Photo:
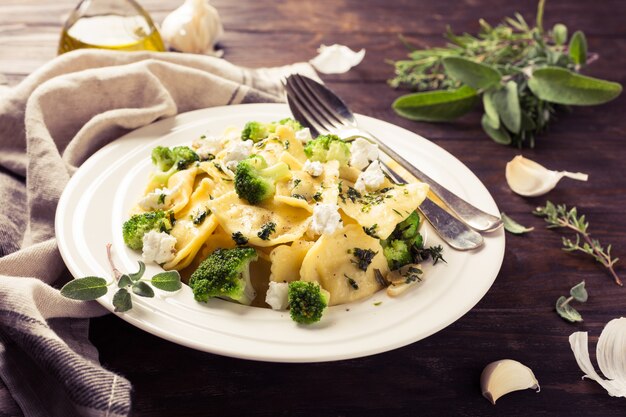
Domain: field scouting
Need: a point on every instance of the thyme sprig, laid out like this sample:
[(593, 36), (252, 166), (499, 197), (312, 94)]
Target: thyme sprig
[(559, 216)]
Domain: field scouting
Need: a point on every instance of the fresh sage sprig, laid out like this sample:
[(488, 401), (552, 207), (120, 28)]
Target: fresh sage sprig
[(91, 288), (514, 227), (520, 73), (559, 216), (565, 309)]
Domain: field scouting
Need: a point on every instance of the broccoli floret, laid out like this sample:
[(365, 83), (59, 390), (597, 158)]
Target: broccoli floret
[(255, 181), (168, 161), (408, 228), (255, 131), (307, 301), (225, 273), (326, 148), (398, 253), (140, 224), (294, 124)]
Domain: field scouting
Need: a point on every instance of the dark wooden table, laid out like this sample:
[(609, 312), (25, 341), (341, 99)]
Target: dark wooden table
[(516, 319)]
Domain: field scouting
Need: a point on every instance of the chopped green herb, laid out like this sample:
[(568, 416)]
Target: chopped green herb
[(239, 238), (352, 282), (162, 198), (363, 257), (266, 230), (200, 215), (371, 231)]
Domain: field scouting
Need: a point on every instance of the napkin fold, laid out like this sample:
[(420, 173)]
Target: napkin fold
[(49, 125)]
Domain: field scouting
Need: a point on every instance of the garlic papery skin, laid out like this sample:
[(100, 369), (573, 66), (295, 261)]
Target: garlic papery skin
[(530, 179), (195, 27), (336, 59), (504, 376), (610, 354)]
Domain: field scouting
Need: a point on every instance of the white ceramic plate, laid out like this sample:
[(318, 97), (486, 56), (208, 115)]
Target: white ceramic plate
[(96, 201)]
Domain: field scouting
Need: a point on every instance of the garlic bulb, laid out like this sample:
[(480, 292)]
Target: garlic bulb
[(194, 27), (504, 376), (528, 178), (609, 354)]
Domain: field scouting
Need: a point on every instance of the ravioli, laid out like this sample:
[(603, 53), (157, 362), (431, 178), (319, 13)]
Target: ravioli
[(331, 262), (384, 208), (287, 260), (193, 226), (236, 215)]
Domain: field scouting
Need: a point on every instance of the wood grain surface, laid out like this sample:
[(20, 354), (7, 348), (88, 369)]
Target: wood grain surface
[(438, 376)]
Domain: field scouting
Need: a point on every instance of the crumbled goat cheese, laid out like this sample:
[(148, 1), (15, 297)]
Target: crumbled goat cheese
[(315, 168), (362, 152), (155, 200), (207, 146), (304, 135), (331, 169), (276, 295), (371, 179), (158, 247), (326, 219), (236, 151)]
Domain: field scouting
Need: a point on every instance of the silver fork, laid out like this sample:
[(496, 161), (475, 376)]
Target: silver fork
[(325, 113)]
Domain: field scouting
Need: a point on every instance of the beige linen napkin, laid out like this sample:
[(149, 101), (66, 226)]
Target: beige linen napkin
[(50, 124)]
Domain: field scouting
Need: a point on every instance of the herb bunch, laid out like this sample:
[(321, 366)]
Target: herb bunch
[(522, 73), (559, 216)]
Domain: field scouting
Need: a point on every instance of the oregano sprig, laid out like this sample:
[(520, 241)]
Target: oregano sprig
[(91, 288), (559, 216)]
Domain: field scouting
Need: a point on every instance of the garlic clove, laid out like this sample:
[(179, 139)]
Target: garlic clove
[(195, 27), (504, 376), (336, 59), (609, 353), (530, 179)]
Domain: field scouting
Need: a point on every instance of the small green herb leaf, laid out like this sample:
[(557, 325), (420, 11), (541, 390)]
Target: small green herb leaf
[(167, 281), (514, 227), (137, 275), (85, 289), (124, 281), (122, 301), (566, 311), (142, 289), (507, 104), (476, 75), (561, 86), (500, 135), (578, 48), (493, 119), (436, 106), (579, 292), (559, 33)]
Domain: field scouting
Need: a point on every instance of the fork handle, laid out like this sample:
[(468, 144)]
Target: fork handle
[(471, 215)]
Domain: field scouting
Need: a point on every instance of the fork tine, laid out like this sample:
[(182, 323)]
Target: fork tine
[(309, 107), (314, 102), (312, 86), (294, 100)]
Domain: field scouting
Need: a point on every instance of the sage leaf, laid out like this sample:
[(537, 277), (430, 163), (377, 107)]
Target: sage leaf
[(500, 135), (507, 104), (167, 281), (124, 281), (559, 32), (436, 106), (561, 86), (514, 227), (579, 292), (490, 110), (578, 48), (142, 289), (137, 275), (476, 75), (85, 289), (122, 301), (566, 311)]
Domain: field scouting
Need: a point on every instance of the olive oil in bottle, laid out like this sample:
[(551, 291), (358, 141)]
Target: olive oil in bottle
[(120, 25)]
